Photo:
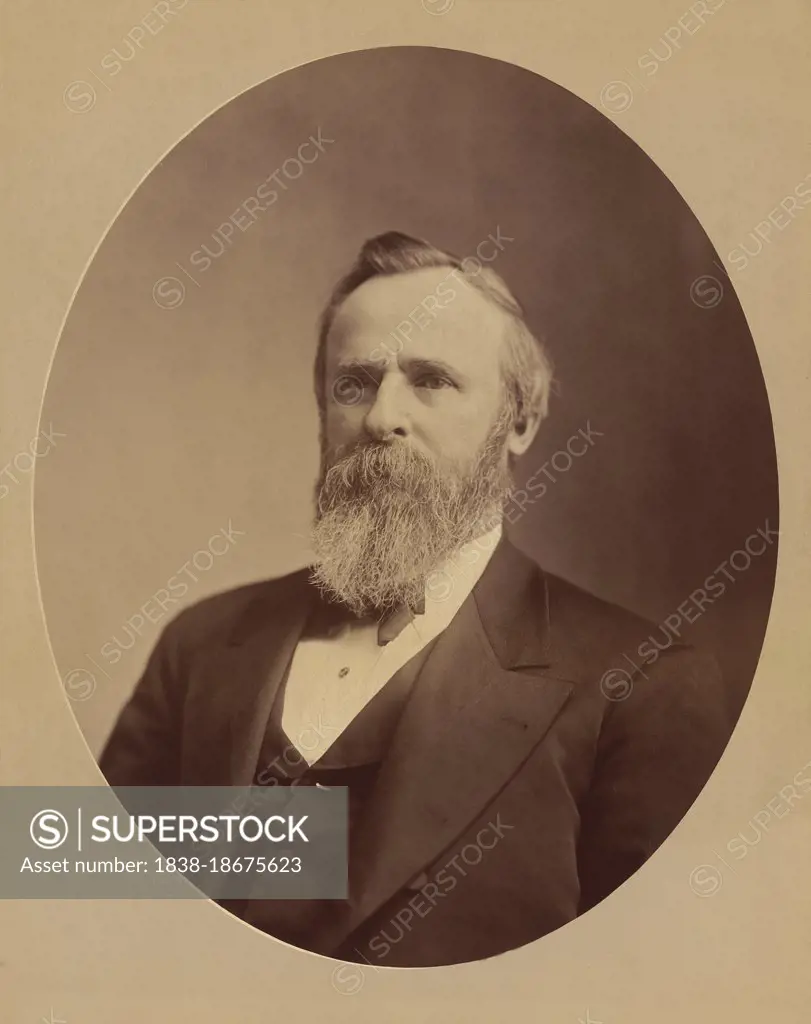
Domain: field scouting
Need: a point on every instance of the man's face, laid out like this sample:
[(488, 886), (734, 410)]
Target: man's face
[(416, 436), (415, 358)]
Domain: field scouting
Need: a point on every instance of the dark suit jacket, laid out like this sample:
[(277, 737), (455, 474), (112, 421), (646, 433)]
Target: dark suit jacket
[(519, 789)]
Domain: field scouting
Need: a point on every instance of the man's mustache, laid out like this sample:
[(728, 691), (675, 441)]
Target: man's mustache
[(371, 461)]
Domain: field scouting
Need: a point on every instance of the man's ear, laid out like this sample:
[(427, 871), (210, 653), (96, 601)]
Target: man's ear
[(522, 433)]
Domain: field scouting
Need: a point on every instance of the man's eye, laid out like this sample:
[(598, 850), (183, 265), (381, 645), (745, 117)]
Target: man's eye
[(348, 389), (434, 381)]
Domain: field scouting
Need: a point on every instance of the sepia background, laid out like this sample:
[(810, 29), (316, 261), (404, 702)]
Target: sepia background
[(171, 410)]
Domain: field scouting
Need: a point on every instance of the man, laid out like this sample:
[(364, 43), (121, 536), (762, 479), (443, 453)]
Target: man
[(505, 774)]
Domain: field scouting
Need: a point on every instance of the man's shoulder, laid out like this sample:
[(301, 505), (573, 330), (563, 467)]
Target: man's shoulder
[(561, 605), (606, 641), (529, 611), (577, 607), (216, 617), (601, 629)]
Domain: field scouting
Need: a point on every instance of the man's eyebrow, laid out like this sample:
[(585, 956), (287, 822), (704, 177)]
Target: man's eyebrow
[(349, 367), (423, 365), (412, 364)]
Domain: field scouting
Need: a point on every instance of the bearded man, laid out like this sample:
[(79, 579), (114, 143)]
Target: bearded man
[(505, 771)]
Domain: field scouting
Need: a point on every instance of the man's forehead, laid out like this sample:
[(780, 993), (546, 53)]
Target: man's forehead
[(432, 306)]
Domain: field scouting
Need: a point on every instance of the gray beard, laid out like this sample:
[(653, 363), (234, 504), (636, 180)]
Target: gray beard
[(388, 516)]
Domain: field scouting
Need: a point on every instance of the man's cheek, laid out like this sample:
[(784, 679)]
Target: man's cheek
[(457, 441), (344, 427), (447, 453)]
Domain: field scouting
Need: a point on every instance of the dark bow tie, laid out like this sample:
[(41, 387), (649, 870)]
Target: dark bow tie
[(392, 623)]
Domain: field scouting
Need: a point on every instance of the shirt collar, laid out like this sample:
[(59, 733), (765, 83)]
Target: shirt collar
[(448, 586)]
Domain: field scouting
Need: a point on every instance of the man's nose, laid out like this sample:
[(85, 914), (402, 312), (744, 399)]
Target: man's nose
[(387, 417)]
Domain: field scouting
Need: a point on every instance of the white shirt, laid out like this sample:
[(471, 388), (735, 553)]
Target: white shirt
[(331, 680)]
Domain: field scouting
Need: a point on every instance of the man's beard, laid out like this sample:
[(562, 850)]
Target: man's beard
[(389, 515)]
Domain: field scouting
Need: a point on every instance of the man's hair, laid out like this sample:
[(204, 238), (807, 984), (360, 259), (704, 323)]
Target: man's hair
[(527, 368)]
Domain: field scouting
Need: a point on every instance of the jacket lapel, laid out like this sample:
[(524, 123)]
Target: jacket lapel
[(262, 650), (486, 696), (241, 679)]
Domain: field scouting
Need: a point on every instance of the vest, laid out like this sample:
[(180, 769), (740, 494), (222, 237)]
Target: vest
[(353, 760)]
